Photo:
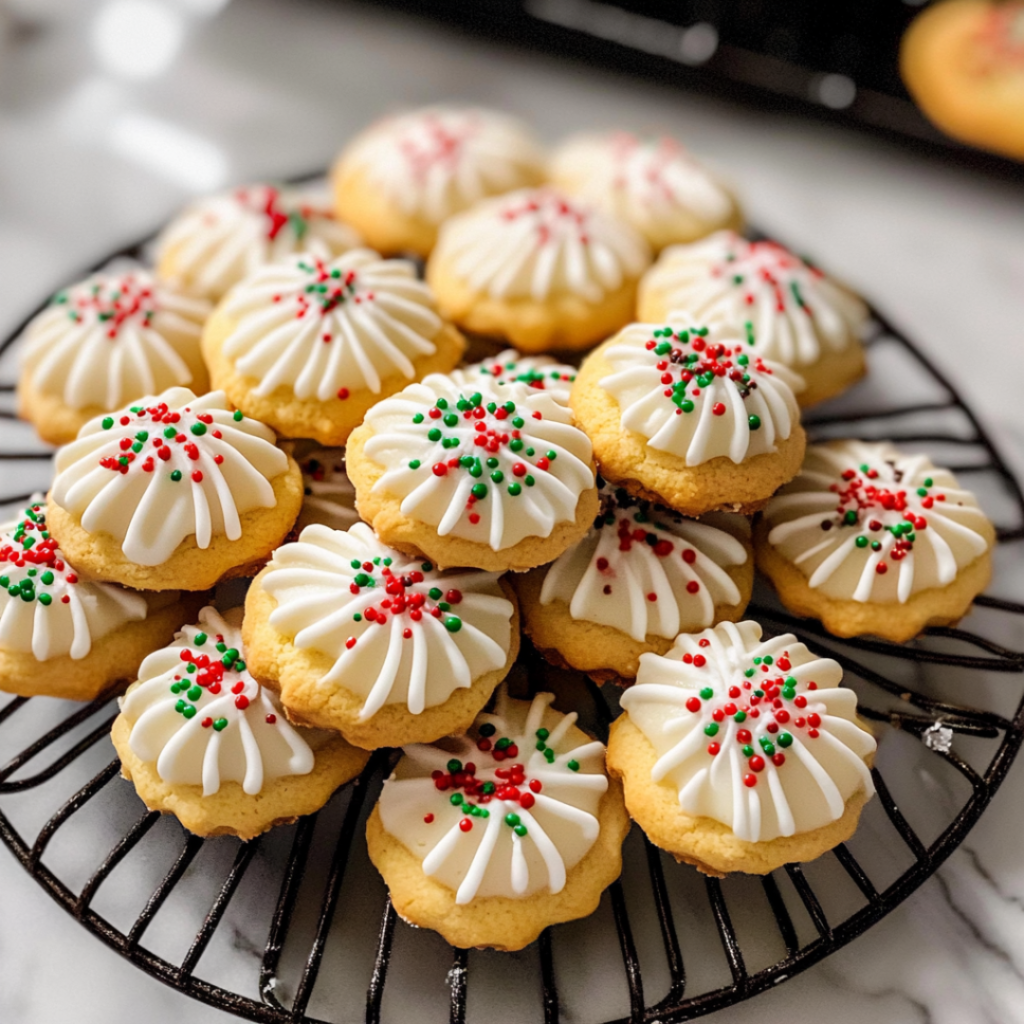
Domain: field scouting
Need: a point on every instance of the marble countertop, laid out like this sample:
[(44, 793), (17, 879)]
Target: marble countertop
[(102, 136)]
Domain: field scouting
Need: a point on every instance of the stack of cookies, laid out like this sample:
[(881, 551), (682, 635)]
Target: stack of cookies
[(602, 482)]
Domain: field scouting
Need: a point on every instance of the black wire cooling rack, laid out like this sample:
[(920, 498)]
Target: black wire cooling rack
[(296, 926)]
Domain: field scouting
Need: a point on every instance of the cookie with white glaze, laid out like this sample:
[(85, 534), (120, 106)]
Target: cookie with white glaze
[(870, 539), (509, 366), (491, 837), (642, 575), (219, 240), (402, 177), (689, 417), (173, 492), (200, 739), (651, 182), (493, 476), (788, 310), (539, 270), (65, 634), (308, 345), (381, 646), (104, 342), (742, 754)]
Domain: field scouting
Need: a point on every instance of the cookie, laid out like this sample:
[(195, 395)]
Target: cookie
[(202, 740), (742, 754), (219, 240), (307, 345), (174, 492), (497, 477), (688, 417), (103, 343), (787, 310), (642, 575), (963, 62), (538, 270), (870, 539), (540, 372), (401, 178), (328, 495), (384, 648), (490, 838), (650, 182)]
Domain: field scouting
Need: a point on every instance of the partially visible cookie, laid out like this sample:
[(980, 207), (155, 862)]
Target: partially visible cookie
[(689, 417), (539, 270), (491, 837), (742, 754), (870, 539), (402, 177), (202, 740), (641, 576), (103, 343), (786, 309), (329, 497), (650, 182), (540, 372)]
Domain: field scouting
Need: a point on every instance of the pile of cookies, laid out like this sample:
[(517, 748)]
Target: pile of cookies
[(286, 397)]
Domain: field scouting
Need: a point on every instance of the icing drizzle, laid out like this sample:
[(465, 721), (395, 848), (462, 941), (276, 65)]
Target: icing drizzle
[(697, 397), (494, 465), (326, 328), (866, 522), (399, 630), (647, 571), (540, 372), (169, 467), (537, 243), (756, 734), (789, 308), (47, 608), (202, 718), (113, 337), (507, 810)]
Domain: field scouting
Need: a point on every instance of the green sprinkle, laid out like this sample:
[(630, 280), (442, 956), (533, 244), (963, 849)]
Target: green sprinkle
[(552, 455), (179, 706), (453, 624), (220, 724), (414, 464), (434, 434), (442, 403), (711, 729), (516, 444), (503, 744), (238, 419), (922, 491), (514, 490), (45, 599), (417, 417), (520, 830), (47, 577), (542, 734), (862, 542), (749, 672), (198, 429), (497, 476), (518, 422), (479, 491), (194, 693), (707, 693), (189, 711), (768, 659), (686, 406), (512, 818), (435, 593), (928, 483), (785, 739), (754, 422), (748, 750), (850, 518), (549, 756), (175, 475), (573, 766), (427, 566), (740, 716), (876, 545), (450, 419), (108, 422), (456, 799), (528, 480), (487, 730)]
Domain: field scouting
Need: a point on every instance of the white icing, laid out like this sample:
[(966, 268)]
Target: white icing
[(555, 806), (646, 570), (652, 183), (369, 608), (540, 372), (941, 531), (225, 460), (506, 434), (55, 609), (114, 337), (435, 162), (808, 754), (330, 497), (214, 724), (537, 244), (701, 409), (221, 239), (794, 313)]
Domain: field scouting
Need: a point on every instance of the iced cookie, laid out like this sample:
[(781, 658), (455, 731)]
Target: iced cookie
[(64, 634), (400, 179), (640, 577), (496, 477), (104, 342), (787, 310), (220, 239), (328, 494), (202, 740), (491, 837), (384, 648), (539, 270), (649, 182), (963, 62), (540, 372), (175, 492), (690, 417), (738, 754), (870, 539)]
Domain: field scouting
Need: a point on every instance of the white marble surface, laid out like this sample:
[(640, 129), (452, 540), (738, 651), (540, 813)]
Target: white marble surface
[(91, 156)]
